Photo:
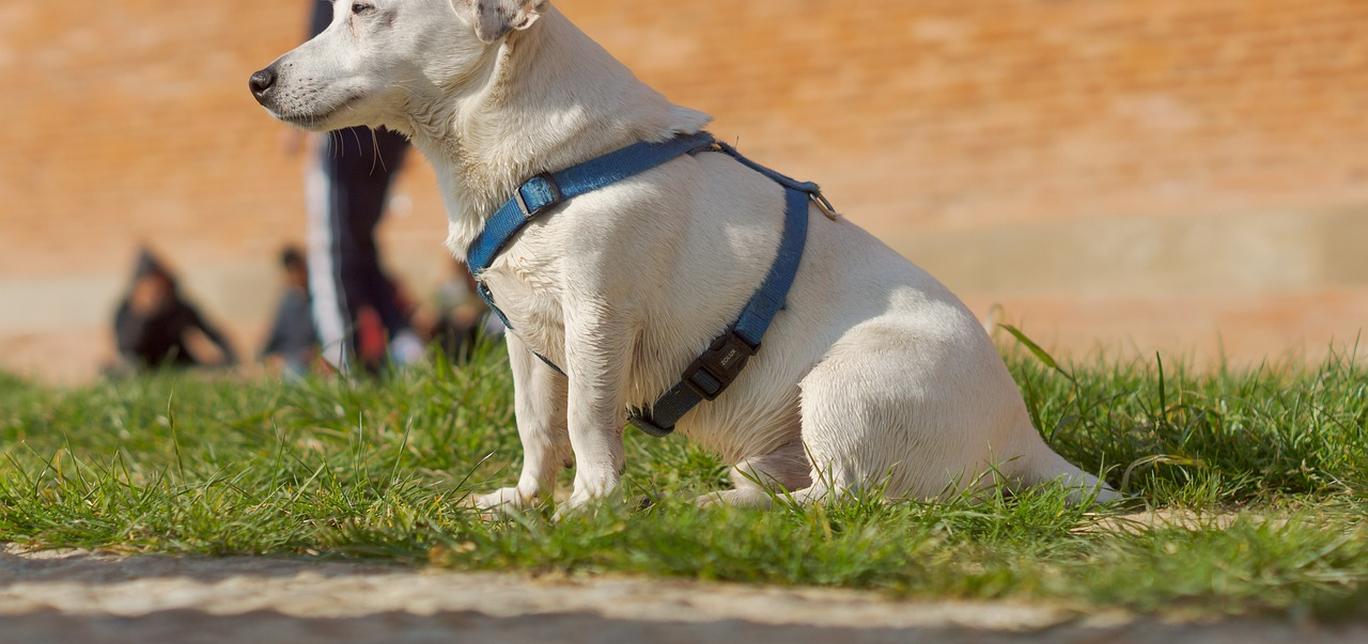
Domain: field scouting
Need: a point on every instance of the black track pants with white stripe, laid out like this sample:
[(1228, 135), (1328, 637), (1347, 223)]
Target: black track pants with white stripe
[(348, 188)]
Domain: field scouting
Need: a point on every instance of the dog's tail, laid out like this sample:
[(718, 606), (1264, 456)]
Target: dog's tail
[(1040, 465)]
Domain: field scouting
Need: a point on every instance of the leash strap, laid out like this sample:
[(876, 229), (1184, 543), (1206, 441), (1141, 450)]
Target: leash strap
[(719, 366)]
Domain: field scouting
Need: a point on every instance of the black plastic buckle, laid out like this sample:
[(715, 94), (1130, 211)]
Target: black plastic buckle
[(714, 371), (647, 425), (556, 195)]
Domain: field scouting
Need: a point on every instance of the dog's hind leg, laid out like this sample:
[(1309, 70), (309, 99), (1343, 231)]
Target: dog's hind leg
[(853, 423), (901, 409), (907, 411), (756, 478), (1040, 465)]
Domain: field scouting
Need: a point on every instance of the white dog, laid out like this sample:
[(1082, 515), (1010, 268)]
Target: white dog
[(874, 377)]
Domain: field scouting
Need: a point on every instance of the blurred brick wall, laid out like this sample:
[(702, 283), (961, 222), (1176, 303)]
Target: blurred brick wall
[(1142, 174)]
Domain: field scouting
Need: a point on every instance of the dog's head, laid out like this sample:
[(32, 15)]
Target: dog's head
[(378, 56)]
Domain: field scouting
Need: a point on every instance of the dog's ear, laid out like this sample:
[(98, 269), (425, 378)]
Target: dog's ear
[(494, 18)]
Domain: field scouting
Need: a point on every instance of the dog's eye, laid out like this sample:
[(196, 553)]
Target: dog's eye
[(359, 8)]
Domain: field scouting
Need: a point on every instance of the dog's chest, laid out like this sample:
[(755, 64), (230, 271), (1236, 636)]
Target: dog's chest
[(529, 292)]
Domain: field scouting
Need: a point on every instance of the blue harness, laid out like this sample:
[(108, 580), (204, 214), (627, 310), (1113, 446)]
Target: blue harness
[(719, 366)]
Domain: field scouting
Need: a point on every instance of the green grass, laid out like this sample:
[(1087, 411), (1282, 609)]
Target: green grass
[(186, 464)]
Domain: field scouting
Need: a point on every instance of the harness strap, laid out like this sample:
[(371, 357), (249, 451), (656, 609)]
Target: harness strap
[(546, 191), (714, 371)]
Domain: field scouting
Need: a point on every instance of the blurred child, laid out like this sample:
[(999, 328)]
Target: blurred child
[(293, 339)]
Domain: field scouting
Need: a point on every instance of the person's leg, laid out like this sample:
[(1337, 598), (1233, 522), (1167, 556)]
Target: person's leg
[(370, 180), (347, 195), (373, 285), (332, 314)]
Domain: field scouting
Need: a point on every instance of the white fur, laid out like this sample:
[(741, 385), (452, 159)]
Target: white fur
[(875, 375)]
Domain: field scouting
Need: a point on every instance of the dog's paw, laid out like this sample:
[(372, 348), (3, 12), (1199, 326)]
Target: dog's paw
[(576, 504), (710, 500), (501, 501), (741, 498), (562, 513), (587, 497)]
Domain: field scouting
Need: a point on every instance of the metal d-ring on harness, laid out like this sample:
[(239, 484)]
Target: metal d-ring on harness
[(719, 366)]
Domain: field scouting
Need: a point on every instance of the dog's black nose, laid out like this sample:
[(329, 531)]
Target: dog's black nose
[(262, 82)]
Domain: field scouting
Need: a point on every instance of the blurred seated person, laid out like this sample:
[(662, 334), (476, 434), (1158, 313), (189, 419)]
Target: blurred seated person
[(154, 323), (293, 339), (461, 316)]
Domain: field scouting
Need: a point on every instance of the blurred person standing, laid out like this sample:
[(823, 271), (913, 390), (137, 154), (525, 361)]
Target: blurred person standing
[(293, 338), (347, 194), (154, 323)]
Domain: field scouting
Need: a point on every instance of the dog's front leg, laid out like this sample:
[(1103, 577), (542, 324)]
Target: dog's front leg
[(597, 350), (539, 405)]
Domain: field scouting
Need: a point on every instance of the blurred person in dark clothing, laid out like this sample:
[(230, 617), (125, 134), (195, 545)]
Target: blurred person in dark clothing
[(292, 337), (154, 323), (461, 316), (347, 197)]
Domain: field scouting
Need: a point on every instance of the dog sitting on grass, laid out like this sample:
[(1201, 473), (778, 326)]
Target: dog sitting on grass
[(873, 377)]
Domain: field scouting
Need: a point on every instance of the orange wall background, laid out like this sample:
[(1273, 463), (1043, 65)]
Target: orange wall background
[(1134, 174)]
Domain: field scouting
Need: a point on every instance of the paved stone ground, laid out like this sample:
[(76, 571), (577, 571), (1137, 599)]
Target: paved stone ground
[(83, 597)]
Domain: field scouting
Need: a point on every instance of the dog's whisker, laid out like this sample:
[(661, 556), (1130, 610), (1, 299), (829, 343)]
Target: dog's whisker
[(375, 150)]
